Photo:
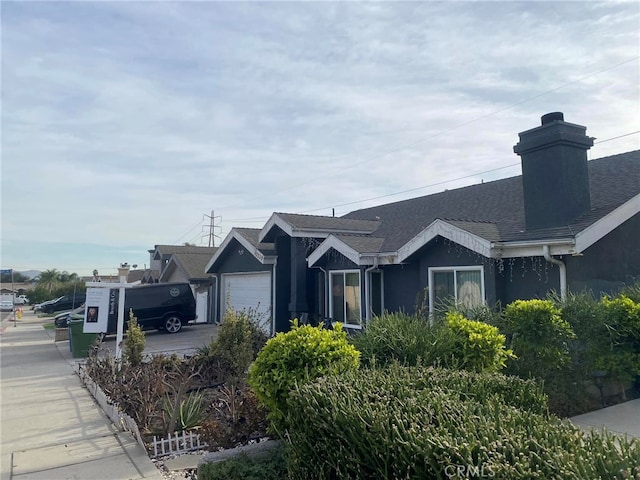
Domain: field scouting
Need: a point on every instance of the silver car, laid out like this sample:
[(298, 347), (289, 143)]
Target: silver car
[(6, 306)]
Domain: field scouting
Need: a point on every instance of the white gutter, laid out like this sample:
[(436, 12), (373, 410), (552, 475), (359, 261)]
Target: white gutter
[(562, 270), (273, 301), (367, 289)]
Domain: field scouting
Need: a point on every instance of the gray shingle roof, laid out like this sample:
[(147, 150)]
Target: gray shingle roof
[(495, 210), (362, 244), (193, 263), (171, 249), (251, 235), (342, 224)]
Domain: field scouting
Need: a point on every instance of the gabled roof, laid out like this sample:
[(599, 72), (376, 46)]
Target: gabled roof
[(489, 218), (163, 251), (149, 276), (191, 264), (296, 225), (249, 239), (356, 248)]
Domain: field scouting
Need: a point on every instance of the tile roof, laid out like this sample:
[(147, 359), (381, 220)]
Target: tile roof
[(495, 210)]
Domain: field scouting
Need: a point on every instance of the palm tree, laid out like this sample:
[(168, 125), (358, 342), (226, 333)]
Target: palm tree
[(49, 279)]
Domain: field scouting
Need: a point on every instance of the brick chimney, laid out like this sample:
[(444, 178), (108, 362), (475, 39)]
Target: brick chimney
[(555, 180)]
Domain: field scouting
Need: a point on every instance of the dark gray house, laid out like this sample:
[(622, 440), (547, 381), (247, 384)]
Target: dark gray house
[(245, 272), (565, 224)]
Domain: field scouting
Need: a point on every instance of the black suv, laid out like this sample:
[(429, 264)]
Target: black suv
[(162, 306), (67, 302)]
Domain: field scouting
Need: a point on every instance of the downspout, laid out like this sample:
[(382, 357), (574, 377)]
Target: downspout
[(562, 270), (325, 300), (273, 300), (367, 288), (213, 302)]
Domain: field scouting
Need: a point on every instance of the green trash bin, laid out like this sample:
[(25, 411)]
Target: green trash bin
[(80, 342)]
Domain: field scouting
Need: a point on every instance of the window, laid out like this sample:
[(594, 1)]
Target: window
[(463, 284), (345, 298)]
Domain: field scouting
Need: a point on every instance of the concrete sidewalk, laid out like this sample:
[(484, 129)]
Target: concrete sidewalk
[(622, 419), (51, 428)]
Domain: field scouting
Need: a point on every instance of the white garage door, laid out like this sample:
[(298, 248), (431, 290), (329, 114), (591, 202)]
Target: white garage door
[(245, 291)]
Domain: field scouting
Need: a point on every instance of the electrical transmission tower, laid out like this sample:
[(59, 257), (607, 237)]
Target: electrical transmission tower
[(212, 228)]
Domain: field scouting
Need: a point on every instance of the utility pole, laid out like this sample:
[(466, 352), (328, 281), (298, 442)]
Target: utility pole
[(212, 226)]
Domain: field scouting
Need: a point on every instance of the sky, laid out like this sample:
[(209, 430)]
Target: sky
[(125, 124)]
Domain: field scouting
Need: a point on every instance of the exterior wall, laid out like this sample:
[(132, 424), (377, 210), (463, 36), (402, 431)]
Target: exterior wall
[(177, 276), (401, 286), (526, 278), (609, 264), (298, 287), (604, 267), (283, 282)]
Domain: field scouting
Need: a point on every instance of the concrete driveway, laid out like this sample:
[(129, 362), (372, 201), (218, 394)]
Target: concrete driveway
[(184, 342)]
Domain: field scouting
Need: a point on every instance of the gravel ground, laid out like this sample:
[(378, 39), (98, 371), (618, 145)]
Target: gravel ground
[(189, 474)]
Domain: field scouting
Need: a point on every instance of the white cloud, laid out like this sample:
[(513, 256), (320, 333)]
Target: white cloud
[(141, 116)]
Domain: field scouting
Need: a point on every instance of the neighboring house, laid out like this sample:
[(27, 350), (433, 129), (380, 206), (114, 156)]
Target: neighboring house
[(189, 266), (566, 224), (160, 255), (150, 276), (134, 277)]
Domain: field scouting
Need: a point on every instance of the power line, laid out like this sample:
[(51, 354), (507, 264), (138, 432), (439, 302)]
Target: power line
[(190, 230), (258, 219), (397, 149), (414, 189), (619, 136), (508, 107)]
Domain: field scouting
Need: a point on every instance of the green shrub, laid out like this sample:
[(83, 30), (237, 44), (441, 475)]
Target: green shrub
[(621, 359), (453, 342), (190, 412), (631, 291), (477, 345), (267, 466), (395, 425), (134, 342), (538, 336), (395, 336), (239, 340), (567, 387), (295, 357)]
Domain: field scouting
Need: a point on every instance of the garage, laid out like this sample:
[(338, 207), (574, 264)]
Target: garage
[(243, 291)]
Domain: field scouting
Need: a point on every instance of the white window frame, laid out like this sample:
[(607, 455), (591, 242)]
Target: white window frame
[(331, 274), (454, 270)]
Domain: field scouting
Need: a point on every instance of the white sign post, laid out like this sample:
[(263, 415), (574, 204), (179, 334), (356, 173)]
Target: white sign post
[(123, 272)]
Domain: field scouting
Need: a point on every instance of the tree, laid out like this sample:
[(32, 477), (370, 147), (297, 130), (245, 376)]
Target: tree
[(49, 279)]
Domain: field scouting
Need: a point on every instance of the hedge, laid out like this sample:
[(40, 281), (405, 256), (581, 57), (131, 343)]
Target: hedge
[(432, 423)]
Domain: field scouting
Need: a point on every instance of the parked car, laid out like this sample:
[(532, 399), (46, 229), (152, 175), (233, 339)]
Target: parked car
[(66, 302), (6, 305), (161, 306), (38, 306), (61, 320), (22, 300)]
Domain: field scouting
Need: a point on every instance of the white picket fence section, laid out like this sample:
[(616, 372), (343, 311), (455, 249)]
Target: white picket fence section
[(177, 443)]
